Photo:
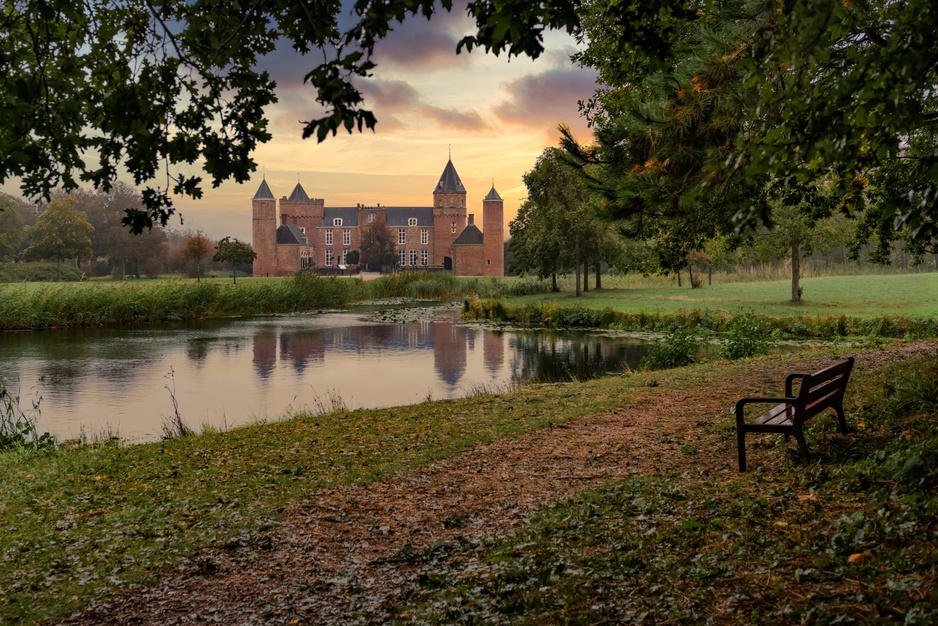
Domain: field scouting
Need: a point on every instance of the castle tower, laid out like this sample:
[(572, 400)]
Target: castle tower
[(493, 229), (264, 234), (449, 214), (303, 211)]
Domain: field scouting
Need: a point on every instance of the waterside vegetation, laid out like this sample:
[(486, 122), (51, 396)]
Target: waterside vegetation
[(889, 305)]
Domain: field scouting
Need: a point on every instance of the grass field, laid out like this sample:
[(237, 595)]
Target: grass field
[(872, 295)]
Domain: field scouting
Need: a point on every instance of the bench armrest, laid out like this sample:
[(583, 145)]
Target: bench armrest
[(790, 380), (739, 405)]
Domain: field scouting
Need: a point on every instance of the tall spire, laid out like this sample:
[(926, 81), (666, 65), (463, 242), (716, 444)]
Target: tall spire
[(449, 179), (263, 192)]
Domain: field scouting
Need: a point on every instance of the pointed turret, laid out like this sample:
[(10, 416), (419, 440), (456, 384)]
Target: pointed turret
[(449, 180), (263, 192), (493, 195), (299, 193), (449, 214)]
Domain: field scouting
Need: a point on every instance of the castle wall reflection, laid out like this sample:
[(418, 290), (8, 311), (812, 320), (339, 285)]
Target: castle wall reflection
[(234, 372)]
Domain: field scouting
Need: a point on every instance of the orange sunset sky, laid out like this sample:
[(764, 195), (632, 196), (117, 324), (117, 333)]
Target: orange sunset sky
[(498, 115)]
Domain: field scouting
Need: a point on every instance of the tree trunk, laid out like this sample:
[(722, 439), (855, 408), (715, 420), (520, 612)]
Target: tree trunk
[(710, 275), (690, 275), (599, 280), (586, 277), (576, 264), (553, 283), (679, 278), (796, 270), (58, 269)]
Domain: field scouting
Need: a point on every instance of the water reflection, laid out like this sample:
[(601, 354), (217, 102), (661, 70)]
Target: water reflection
[(233, 372)]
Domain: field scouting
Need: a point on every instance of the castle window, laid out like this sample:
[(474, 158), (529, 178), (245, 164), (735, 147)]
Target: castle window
[(345, 256), (423, 257), (303, 229), (454, 227), (328, 258), (347, 237), (371, 217), (337, 221), (401, 236), (401, 257), (424, 236), (411, 221), (413, 257), (328, 237)]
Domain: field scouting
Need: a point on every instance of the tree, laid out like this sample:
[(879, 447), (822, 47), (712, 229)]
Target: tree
[(12, 227), (376, 240), (752, 92), (234, 252), (828, 88), (111, 241), (555, 229), (195, 249), (352, 257), (61, 232)]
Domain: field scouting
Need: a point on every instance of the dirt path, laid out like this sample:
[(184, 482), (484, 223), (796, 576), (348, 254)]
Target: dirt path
[(340, 557)]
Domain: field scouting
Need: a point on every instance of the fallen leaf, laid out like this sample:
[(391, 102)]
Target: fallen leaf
[(811, 497), (858, 556)]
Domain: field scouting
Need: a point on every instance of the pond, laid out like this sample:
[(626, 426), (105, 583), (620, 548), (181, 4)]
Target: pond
[(101, 382)]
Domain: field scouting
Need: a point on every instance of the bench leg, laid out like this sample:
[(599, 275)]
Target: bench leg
[(741, 448), (803, 445), (841, 418)]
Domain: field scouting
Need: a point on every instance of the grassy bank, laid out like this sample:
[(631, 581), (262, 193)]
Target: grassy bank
[(82, 523), (870, 295), (850, 540), (881, 306), (49, 305)]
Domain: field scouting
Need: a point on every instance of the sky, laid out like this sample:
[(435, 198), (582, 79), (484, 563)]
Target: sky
[(494, 115)]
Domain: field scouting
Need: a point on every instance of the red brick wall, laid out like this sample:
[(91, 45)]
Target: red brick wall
[(493, 228), (469, 260), (264, 237)]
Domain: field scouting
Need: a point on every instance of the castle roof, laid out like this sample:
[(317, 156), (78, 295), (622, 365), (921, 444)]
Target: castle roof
[(291, 233), (399, 215), (493, 195), (471, 235), (263, 192), (348, 215), (299, 193), (449, 179)]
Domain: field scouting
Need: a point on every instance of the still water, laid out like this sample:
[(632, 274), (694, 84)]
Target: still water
[(104, 381)]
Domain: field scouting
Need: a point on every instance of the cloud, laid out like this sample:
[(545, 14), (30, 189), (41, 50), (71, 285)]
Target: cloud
[(548, 98), (421, 44), (392, 99)]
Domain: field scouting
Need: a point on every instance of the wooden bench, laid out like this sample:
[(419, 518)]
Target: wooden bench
[(818, 392)]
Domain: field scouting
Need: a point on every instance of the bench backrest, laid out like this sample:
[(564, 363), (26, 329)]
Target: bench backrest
[(822, 390)]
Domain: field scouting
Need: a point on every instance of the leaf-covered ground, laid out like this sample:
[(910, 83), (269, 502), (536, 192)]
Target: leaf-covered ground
[(633, 512)]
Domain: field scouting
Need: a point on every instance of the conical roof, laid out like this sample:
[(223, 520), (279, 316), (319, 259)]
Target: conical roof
[(449, 179), (263, 192), (299, 193), (493, 195)]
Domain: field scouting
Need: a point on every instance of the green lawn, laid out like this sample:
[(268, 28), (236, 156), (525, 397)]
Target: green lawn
[(905, 295)]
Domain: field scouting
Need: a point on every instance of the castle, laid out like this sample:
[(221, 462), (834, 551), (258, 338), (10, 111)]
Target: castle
[(443, 236)]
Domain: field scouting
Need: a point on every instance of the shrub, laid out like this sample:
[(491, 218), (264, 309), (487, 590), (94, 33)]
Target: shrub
[(678, 348), (747, 337)]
